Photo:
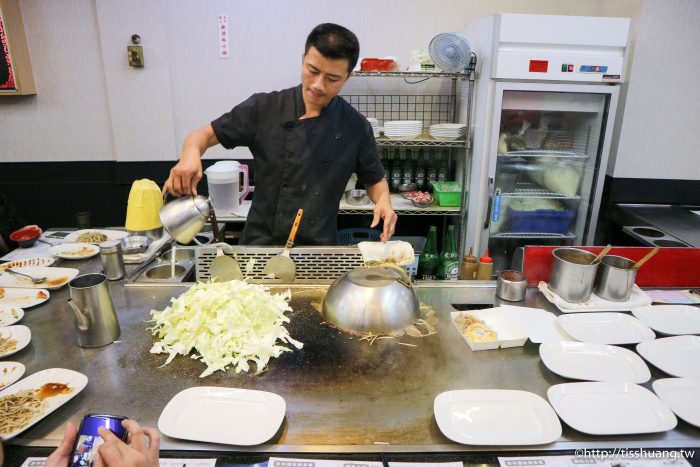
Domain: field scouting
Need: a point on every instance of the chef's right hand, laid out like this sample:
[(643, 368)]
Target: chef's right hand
[(184, 176)]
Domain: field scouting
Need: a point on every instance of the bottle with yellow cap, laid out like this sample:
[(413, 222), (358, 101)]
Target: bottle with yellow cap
[(142, 212)]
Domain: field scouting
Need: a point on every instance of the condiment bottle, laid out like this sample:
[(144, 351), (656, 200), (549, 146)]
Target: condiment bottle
[(112, 259), (484, 268), (467, 270)]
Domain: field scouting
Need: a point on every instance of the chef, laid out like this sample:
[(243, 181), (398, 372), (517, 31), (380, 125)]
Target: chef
[(306, 143)]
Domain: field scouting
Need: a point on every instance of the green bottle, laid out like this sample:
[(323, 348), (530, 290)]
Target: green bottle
[(428, 259), (449, 260), (431, 171), (386, 162), (420, 171), (396, 172)]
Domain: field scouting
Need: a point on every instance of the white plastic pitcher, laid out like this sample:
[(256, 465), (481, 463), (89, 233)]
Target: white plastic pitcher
[(223, 180)]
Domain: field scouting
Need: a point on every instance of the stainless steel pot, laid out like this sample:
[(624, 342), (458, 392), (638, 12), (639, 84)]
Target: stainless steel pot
[(376, 300), (573, 274), (615, 278)]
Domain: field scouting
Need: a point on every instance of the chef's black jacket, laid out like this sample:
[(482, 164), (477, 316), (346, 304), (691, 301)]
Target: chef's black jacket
[(299, 163)]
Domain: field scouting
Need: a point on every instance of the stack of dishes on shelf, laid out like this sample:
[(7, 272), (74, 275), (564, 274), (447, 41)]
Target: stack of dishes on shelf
[(403, 129), (375, 126), (448, 131)]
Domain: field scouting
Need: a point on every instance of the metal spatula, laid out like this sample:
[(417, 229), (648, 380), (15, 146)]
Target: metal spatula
[(282, 266), (224, 268)]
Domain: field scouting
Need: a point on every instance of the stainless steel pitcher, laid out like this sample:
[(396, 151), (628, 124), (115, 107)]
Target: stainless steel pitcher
[(95, 319), (185, 217)]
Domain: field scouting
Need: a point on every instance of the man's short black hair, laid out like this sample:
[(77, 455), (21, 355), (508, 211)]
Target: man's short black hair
[(334, 41)]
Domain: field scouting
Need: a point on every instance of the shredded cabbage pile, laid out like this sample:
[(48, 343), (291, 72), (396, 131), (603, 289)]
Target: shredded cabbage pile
[(225, 323)]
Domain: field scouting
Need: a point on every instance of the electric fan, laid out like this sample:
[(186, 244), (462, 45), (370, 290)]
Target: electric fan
[(450, 52)]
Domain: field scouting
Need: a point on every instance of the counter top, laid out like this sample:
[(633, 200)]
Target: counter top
[(342, 394), (679, 221)]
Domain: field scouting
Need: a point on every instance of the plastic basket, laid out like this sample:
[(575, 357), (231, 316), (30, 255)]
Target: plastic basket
[(418, 243), (540, 220), (447, 193), (353, 236), (376, 64)]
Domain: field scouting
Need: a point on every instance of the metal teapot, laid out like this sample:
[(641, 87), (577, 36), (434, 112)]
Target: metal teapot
[(184, 217)]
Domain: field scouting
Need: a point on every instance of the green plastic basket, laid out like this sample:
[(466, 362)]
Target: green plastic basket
[(447, 193)]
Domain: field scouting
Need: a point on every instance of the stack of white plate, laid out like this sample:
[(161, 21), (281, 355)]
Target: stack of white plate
[(448, 131), (375, 126), (403, 129)]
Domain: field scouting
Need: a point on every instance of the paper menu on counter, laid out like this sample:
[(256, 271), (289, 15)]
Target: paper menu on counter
[(41, 461), (639, 457), (675, 297), (293, 462)]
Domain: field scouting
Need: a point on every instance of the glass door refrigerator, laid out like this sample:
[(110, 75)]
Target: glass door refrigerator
[(546, 96)]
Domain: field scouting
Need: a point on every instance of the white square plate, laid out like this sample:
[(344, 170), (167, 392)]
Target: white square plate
[(55, 277), (18, 333), (10, 315), (240, 417), (594, 362), (28, 262), (670, 319), (610, 408), (681, 396), (74, 380), (678, 356), (110, 234), (10, 372), (595, 303), (539, 325), (23, 298), (606, 328), (74, 250), (496, 417)]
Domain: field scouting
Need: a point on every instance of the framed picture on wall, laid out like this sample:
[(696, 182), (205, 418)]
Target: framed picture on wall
[(16, 77)]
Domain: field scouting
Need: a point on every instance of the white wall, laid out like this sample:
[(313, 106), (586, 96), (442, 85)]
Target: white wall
[(92, 106), (660, 134)]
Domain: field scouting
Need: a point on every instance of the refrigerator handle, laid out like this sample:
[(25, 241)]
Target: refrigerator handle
[(488, 206)]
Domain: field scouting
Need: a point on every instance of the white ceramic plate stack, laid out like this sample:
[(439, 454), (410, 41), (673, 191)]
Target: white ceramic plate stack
[(496, 417), (448, 131), (594, 362), (375, 126), (403, 129), (610, 408)]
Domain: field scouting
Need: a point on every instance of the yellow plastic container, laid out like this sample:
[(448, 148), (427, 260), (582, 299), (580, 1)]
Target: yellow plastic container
[(145, 201)]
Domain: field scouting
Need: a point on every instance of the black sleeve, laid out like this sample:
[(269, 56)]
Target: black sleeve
[(369, 167), (237, 127)]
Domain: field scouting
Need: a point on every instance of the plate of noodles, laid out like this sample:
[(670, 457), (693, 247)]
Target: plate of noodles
[(95, 236), (13, 339), (26, 402)]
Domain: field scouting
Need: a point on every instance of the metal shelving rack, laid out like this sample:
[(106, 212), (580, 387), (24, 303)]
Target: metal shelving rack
[(430, 109)]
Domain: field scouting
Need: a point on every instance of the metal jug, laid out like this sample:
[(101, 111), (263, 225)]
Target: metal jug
[(185, 217), (95, 319)]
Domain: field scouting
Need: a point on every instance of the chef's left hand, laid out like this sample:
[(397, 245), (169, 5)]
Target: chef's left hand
[(384, 211)]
